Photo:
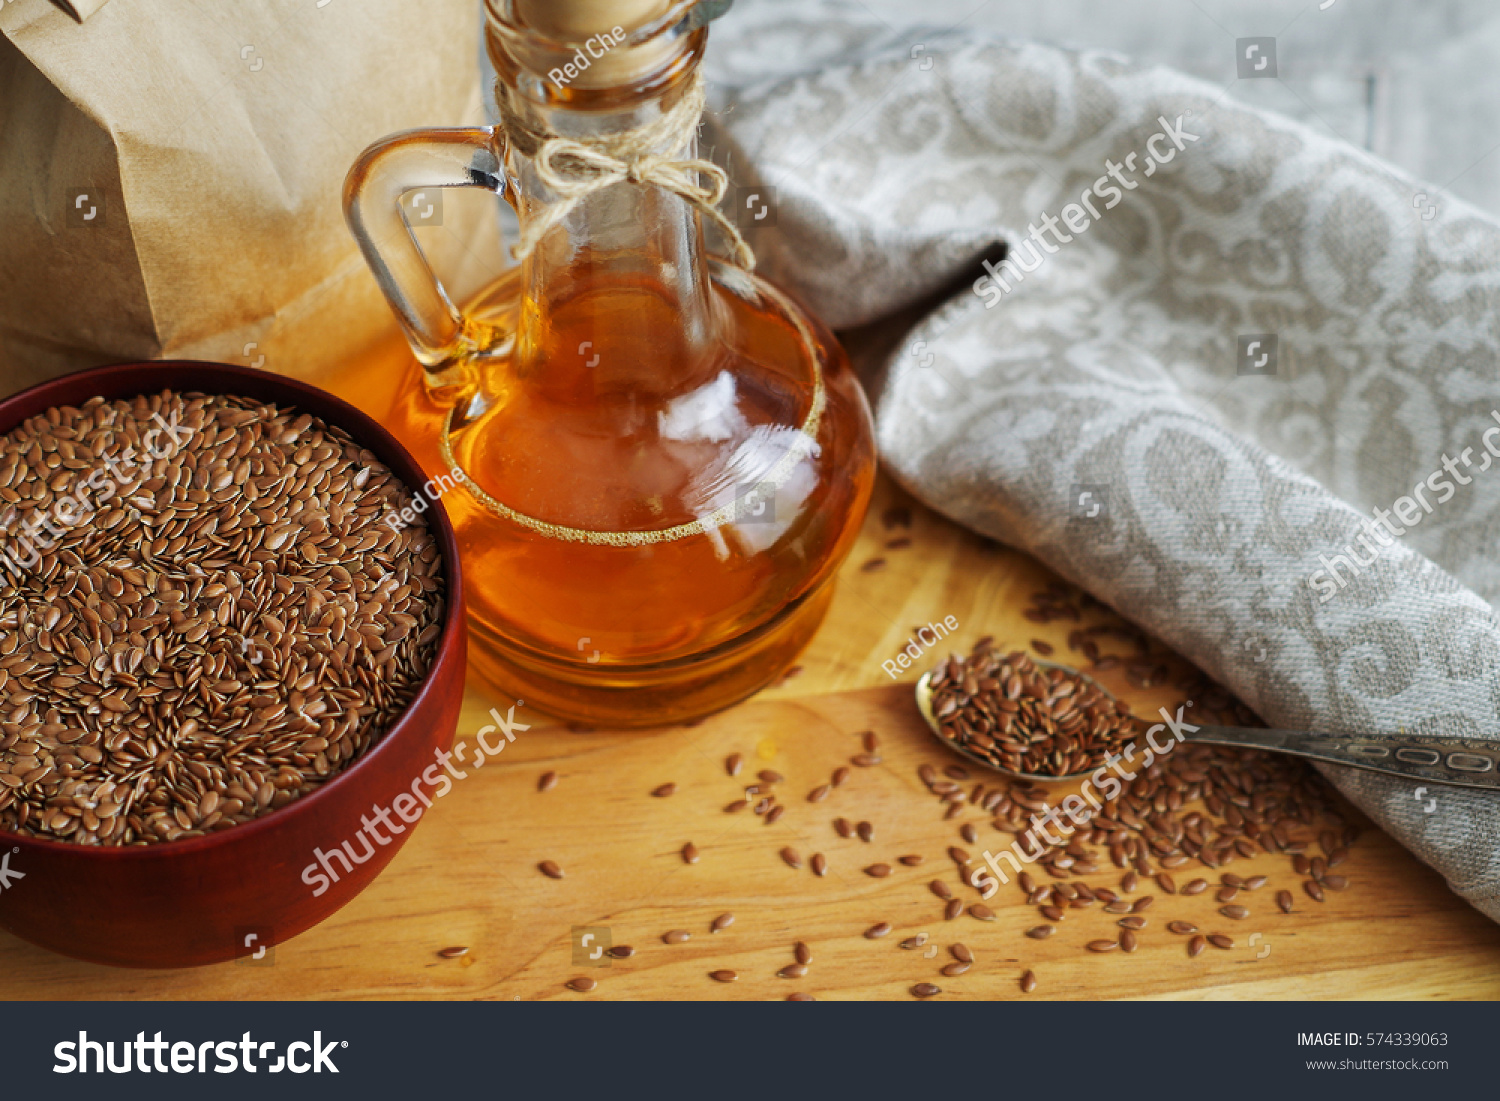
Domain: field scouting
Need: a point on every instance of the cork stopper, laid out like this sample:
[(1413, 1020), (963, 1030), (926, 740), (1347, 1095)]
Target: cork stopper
[(598, 30), (576, 20)]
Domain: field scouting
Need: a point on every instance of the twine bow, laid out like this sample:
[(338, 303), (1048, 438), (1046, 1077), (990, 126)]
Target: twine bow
[(574, 169)]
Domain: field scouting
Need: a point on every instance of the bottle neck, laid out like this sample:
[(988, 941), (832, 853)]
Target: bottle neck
[(623, 271)]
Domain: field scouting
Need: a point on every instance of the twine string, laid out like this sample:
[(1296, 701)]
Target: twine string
[(574, 169)]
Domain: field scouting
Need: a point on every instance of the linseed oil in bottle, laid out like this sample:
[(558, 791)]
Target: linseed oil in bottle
[(665, 459)]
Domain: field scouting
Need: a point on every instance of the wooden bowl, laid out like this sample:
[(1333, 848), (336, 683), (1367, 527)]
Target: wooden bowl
[(231, 894)]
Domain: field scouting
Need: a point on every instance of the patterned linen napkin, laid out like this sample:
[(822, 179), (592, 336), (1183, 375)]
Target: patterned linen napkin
[(1237, 379)]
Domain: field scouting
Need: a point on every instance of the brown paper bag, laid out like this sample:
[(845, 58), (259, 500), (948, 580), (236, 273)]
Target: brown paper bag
[(171, 175)]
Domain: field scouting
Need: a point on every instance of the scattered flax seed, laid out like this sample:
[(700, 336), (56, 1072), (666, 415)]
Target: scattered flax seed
[(941, 889), (737, 805), (547, 782), (871, 741), (800, 998), (1196, 887), (842, 827), (1043, 648), (926, 990), (770, 776), (1313, 889), (790, 858), (792, 971), (550, 869), (665, 790), (723, 976), (1219, 940), (897, 516), (878, 871), (865, 760), (583, 984), (818, 794), (733, 763), (872, 565), (1284, 900), (1142, 904), (1238, 913), (1041, 932), (981, 911), (956, 968), (775, 813), (1226, 893), (1028, 982), (1196, 946), (878, 930), (453, 953), (676, 936), (1127, 940), (1102, 946), (1133, 922), (622, 951), (802, 952), (969, 833), (1185, 928), (231, 627), (953, 910), (690, 853), (819, 864), (911, 860), (722, 922), (915, 942), (865, 831), (840, 774), (961, 952), (1335, 882)]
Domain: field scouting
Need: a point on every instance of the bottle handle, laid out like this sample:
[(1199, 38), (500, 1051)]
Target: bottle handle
[(440, 335)]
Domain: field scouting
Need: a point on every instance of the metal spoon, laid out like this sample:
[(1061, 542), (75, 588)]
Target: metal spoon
[(1460, 762)]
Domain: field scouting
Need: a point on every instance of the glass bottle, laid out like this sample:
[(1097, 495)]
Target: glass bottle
[(663, 460)]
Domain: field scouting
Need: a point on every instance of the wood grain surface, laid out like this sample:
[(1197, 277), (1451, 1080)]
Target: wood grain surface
[(468, 877)]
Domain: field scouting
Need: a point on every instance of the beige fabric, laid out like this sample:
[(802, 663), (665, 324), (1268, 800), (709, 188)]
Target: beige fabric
[(1113, 369)]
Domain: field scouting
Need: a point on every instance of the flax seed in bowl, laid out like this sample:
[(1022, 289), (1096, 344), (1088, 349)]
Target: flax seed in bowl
[(217, 653)]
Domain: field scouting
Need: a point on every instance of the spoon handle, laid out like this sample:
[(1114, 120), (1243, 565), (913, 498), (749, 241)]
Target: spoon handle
[(1461, 762)]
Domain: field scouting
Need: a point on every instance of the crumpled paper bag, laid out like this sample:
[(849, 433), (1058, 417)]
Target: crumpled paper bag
[(171, 176), (1265, 340)]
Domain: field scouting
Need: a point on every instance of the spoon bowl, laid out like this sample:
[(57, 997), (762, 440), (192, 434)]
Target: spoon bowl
[(924, 705)]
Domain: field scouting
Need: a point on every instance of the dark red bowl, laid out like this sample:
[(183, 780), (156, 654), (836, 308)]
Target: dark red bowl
[(215, 898)]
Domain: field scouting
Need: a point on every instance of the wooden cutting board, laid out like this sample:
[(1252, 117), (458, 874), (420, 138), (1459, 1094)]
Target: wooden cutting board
[(469, 878)]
